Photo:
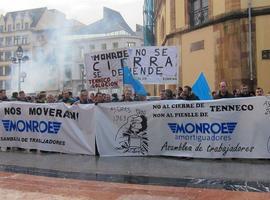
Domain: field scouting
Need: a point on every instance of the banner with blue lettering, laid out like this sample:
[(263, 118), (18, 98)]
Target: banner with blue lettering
[(231, 128), (49, 127)]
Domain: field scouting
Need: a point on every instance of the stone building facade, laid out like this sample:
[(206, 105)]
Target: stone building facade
[(213, 38)]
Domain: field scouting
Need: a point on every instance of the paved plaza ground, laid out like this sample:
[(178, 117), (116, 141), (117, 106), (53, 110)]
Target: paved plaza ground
[(63, 176)]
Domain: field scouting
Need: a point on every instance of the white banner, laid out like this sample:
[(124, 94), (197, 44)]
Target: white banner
[(233, 128), (149, 65), (48, 127), (154, 65), (104, 69)]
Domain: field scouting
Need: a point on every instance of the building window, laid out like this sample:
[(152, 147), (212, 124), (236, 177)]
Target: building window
[(8, 41), (198, 12), (7, 84), (17, 40), (24, 39), (7, 55), (115, 45), (18, 26), (104, 46), (2, 71), (68, 54), (26, 26), (81, 52), (9, 28), (131, 44), (68, 73), (92, 47), (1, 84), (1, 56), (1, 42), (7, 70), (1, 28)]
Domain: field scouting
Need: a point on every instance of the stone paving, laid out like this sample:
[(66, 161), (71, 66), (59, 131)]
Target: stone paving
[(21, 186), (25, 175)]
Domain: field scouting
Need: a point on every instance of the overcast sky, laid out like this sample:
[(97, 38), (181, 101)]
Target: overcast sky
[(85, 11)]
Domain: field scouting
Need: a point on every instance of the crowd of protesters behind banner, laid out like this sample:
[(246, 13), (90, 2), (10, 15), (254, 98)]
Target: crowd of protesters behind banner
[(86, 97)]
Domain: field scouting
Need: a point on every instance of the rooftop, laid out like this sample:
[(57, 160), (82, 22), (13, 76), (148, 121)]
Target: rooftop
[(112, 21)]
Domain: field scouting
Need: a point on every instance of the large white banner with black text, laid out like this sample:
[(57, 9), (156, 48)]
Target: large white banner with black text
[(48, 127), (149, 65), (236, 128)]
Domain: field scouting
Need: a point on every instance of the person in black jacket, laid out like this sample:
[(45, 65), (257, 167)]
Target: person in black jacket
[(223, 91), (84, 98), (187, 94), (244, 91), (3, 96)]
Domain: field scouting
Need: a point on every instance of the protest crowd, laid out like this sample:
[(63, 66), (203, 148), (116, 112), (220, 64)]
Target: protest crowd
[(86, 97)]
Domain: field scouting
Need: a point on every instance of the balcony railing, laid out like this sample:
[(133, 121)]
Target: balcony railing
[(199, 16)]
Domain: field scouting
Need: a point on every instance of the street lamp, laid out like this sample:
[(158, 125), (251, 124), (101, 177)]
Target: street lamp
[(18, 60)]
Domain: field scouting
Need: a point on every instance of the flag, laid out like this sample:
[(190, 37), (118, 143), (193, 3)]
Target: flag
[(202, 89), (137, 86)]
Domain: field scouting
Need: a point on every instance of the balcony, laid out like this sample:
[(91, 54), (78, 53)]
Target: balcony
[(198, 17)]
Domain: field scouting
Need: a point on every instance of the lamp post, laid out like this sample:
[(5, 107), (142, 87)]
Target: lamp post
[(19, 59)]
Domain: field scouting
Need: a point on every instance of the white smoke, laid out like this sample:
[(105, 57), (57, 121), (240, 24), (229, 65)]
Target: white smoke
[(45, 70)]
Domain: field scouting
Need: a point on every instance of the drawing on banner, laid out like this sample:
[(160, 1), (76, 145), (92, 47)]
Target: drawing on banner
[(132, 136), (267, 107)]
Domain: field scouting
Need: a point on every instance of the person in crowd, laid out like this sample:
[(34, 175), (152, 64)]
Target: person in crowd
[(22, 97), (30, 99), (99, 98), (115, 97), (41, 97), (236, 92), (213, 93), (138, 97), (84, 98), (162, 95), (104, 96), (179, 92), (3, 96), (50, 99), (187, 94), (108, 98), (14, 96), (127, 96), (223, 91), (259, 91), (244, 91), (66, 98), (92, 97), (141, 98), (169, 94)]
